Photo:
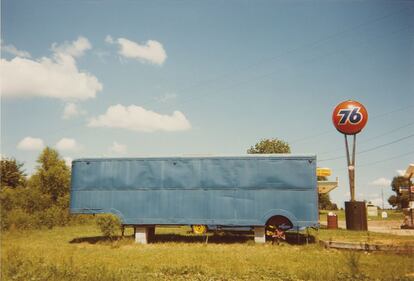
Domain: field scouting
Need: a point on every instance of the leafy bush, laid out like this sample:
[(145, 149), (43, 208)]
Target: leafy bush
[(78, 219), (11, 198), (29, 208), (19, 219), (54, 216), (40, 201), (109, 225)]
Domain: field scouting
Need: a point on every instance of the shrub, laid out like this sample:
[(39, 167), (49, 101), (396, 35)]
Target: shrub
[(54, 216), (82, 219), (33, 200), (19, 219), (108, 224), (26, 198), (11, 198), (63, 202), (28, 207)]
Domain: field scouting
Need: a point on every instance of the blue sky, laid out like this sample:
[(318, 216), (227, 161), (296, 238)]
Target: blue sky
[(126, 78)]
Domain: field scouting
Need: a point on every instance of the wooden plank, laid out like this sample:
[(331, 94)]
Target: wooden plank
[(367, 247)]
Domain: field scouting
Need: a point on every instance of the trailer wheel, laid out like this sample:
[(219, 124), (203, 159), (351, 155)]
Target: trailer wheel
[(199, 228), (276, 227)]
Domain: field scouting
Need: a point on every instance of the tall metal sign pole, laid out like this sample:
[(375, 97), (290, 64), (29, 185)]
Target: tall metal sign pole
[(349, 118)]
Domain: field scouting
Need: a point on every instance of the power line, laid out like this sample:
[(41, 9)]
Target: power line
[(312, 44), (386, 144), (400, 156), (388, 132), (295, 49), (309, 60), (387, 159), (263, 76), (391, 112), (370, 149), (375, 137), (315, 43), (374, 117)]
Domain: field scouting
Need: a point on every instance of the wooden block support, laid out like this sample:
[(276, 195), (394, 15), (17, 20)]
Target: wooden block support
[(141, 234), (259, 234)]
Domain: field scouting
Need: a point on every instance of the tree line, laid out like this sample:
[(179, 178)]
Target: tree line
[(41, 200)]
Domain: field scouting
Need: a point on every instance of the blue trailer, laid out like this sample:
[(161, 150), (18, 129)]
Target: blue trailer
[(221, 192)]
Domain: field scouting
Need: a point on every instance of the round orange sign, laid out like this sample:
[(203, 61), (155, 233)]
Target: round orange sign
[(349, 117)]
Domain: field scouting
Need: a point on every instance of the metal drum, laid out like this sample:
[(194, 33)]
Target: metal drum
[(332, 221)]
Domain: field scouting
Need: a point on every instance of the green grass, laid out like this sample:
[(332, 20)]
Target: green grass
[(393, 215), (81, 253), (344, 235)]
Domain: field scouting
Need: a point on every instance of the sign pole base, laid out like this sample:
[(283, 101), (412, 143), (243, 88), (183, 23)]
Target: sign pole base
[(356, 215)]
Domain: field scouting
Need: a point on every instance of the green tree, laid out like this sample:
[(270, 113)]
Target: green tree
[(52, 176), (269, 146), (43, 201), (12, 174), (401, 198), (324, 200), (393, 200)]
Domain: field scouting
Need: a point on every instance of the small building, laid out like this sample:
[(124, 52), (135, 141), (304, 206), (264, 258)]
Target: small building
[(372, 210)]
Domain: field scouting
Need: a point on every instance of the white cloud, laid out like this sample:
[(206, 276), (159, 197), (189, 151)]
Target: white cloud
[(67, 144), (137, 118), (118, 148), (72, 110), (54, 77), (166, 97), (11, 49), (68, 161), (400, 172), (151, 51), (109, 39), (74, 49), (29, 143), (381, 182)]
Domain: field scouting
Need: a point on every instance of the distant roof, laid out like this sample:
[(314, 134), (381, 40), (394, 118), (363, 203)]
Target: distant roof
[(327, 186)]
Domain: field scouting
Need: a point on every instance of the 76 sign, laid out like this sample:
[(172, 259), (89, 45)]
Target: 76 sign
[(349, 117)]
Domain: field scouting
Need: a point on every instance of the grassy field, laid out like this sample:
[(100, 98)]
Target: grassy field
[(393, 215), (81, 253), (344, 235)]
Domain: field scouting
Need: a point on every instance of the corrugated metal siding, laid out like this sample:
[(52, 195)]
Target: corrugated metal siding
[(197, 190)]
